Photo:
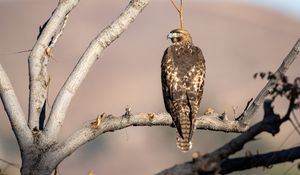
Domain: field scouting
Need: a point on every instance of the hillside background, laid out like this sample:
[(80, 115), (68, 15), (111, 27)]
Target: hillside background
[(237, 39)]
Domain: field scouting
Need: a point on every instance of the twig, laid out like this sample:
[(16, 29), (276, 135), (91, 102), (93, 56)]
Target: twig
[(175, 6), (181, 16), (248, 103), (295, 126), (295, 117), (286, 139), (290, 168), (12, 53), (179, 10)]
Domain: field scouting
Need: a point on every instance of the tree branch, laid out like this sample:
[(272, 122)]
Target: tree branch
[(14, 111), (103, 40), (210, 162), (39, 57), (111, 123), (248, 114), (265, 160)]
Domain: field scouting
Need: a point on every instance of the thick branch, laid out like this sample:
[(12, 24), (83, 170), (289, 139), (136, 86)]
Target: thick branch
[(104, 39), (14, 111), (38, 59), (249, 113), (112, 123), (265, 160)]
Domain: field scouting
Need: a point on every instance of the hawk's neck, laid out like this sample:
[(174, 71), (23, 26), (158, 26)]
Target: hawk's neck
[(183, 47)]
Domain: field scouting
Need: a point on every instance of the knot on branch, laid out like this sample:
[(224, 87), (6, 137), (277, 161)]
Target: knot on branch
[(137, 3), (271, 121)]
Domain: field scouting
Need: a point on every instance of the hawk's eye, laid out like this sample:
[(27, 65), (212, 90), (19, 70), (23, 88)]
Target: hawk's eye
[(177, 35)]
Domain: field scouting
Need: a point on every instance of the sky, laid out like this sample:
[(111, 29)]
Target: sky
[(288, 7)]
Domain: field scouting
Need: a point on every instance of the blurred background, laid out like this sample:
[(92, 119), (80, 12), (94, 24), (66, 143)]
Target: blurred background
[(238, 38)]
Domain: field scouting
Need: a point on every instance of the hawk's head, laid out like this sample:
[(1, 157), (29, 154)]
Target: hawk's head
[(179, 35)]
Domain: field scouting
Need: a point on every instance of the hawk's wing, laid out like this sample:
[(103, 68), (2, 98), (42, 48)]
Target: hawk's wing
[(170, 81), (195, 83)]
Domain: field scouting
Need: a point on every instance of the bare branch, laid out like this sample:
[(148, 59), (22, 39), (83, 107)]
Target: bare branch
[(14, 111), (210, 163), (249, 113), (38, 59), (104, 39), (265, 160), (111, 123)]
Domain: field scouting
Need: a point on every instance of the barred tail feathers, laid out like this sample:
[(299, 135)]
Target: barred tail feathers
[(184, 143)]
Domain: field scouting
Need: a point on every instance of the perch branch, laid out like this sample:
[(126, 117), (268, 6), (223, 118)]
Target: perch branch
[(14, 111), (103, 40), (111, 123), (247, 115), (38, 59), (265, 160)]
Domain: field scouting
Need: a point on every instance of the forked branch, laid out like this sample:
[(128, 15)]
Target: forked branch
[(39, 58), (92, 53)]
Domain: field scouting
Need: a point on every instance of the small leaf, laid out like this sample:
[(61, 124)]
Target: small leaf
[(262, 75), (255, 75)]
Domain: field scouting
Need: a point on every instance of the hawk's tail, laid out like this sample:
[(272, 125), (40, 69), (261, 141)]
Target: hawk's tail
[(183, 144), (183, 141)]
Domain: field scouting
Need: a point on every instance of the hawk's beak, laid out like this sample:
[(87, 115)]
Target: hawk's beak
[(170, 35), (173, 35)]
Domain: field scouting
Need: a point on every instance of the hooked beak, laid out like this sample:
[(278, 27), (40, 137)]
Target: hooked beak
[(170, 35), (173, 35)]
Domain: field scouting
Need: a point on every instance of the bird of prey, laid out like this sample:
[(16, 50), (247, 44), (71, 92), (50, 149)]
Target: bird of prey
[(182, 77)]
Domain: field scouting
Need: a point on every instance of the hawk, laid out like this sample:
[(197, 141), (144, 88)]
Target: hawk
[(182, 77)]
